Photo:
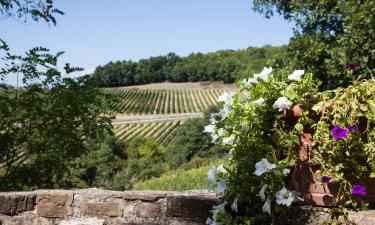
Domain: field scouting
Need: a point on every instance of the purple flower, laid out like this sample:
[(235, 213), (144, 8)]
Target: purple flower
[(339, 132), (353, 128), (352, 66), (325, 179), (358, 190)]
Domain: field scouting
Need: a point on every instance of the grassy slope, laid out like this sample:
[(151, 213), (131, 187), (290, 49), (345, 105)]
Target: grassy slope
[(181, 179)]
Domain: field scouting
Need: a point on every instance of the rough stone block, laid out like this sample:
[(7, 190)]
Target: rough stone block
[(133, 221), (11, 204), (54, 205), (182, 222), (189, 207), (111, 209), (148, 196), (129, 208), (24, 220), (148, 210), (82, 221)]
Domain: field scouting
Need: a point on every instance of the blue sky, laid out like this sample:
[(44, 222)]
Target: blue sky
[(93, 33)]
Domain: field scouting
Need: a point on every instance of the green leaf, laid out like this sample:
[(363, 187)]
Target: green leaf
[(363, 107), (371, 105), (299, 127), (290, 93)]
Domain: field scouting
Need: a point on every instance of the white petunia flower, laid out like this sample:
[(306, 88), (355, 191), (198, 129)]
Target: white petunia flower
[(224, 112), (263, 166), (248, 81), (215, 210), (218, 208), (221, 186), (259, 102), (286, 171), (224, 97), (234, 205), (222, 132), (264, 74), (227, 98), (214, 117), (221, 169), (230, 153), (209, 128), (262, 191), (267, 206), (245, 128), (228, 140), (209, 221), (211, 175), (212, 222), (284, 197), (282, 103), (296, 75), (214, 138), (296, 198)]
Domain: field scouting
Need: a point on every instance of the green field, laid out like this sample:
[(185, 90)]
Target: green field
[(136, 101), (181, 179)]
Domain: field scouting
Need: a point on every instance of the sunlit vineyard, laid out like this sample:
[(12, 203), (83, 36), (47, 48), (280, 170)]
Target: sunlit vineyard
[(163, 132), (136, 101)]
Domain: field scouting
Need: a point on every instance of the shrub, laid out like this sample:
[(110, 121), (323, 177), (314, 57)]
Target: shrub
[(330, 37), (255, 124)]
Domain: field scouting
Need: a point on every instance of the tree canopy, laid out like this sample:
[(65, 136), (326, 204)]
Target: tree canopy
[(48, 122), (333, 39), (30, 9), (225, 65)]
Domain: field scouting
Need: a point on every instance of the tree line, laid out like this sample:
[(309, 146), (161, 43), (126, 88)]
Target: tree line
[(223, 65)]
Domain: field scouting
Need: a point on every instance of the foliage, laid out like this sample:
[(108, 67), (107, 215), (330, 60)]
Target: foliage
[(144, 159), (189, 142), (349, 159), (26, 9), (46, 124), (187, 177), (263, 138), (111, 165), (330, 36), (225, 65), (98, 167)]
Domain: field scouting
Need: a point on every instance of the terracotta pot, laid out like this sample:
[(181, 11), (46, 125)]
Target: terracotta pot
[(304, 177)]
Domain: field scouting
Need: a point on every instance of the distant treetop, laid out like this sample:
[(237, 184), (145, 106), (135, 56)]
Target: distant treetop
[(224, 65)]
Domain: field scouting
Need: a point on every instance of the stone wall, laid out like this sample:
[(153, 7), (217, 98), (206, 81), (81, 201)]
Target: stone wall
[(100, 207)]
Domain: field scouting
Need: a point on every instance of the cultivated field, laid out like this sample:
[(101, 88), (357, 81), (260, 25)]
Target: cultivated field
[(184, 85), (156, 110), (138, 101), (163, 132)]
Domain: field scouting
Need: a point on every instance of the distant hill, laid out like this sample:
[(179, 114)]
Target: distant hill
[(138, 101), (157, 110), (224, 65)]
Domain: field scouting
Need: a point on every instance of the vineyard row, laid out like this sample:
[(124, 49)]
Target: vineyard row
[(134, 101), (163, 132)]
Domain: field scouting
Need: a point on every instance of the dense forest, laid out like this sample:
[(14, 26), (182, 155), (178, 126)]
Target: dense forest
[(223, 65)]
